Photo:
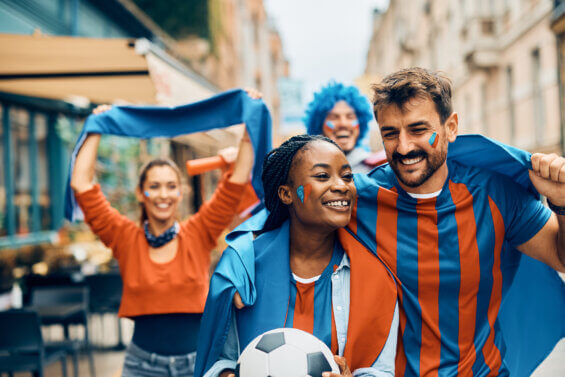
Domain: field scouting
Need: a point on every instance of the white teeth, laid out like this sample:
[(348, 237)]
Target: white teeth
[(162, 205), (411, 161), (338, 203)]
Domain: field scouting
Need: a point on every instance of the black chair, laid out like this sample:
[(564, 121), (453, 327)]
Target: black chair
[(32, 281), (105, 298), (50, 297), (21, 344)]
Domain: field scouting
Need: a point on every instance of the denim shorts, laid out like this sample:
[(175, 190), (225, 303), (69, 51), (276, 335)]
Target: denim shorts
[(140, 363)]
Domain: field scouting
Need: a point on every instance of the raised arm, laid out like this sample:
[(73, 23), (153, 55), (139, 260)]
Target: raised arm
[(243, 162), (216, 214), (83, 173), (548, 177)]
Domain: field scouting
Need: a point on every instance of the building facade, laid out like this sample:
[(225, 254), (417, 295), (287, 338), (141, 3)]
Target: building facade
[(241, 48), (558, 27), (500, 55)]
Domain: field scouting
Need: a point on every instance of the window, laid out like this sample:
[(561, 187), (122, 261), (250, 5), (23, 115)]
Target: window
[(32, 184)]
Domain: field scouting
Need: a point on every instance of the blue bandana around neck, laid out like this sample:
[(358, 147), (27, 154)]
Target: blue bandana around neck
[(166, 237), (223, 110)]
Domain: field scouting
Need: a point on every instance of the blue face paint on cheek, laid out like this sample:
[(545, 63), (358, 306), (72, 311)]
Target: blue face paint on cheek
[(146, 193), (300, 193), (433, 140), (330, 124), (355, 123)]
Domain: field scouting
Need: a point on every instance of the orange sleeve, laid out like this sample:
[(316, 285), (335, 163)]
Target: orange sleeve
[(216, 214), (104, 221)]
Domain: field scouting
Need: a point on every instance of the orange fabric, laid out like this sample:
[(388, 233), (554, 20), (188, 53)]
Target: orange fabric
[(334, 344), (491, 353), (248, 199), (304, 307), (178, 286), (387, 220), (428, 265), (470, 276), (372, 301)]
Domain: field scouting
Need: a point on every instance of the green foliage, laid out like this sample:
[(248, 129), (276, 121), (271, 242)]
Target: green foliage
[(117, 171), (179, 18)]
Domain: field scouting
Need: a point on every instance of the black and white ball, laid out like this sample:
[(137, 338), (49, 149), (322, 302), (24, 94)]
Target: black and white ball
[(285, 353)]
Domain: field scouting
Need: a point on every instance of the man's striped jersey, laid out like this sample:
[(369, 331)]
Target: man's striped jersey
[(450, 257)]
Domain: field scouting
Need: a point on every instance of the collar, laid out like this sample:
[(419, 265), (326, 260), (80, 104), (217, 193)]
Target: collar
[(344, 264)]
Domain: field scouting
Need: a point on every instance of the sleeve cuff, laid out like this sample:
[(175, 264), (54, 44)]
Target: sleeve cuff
[(90, 200), (371, 372), (232, 186), (92, 192), (219, 366)]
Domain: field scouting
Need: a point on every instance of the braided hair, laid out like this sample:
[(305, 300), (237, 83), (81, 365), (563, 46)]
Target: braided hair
[(276, 168)]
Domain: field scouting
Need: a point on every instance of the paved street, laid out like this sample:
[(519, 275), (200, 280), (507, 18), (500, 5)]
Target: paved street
[(109, 363), (554, 365)]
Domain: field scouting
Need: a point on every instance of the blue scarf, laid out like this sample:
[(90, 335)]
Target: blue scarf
[(222, 110), (165, 237)]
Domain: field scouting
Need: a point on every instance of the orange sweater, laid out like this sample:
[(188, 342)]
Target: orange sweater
[(178, 286)]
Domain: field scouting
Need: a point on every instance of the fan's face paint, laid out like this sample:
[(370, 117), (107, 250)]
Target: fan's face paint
[(434, 139), (326, 193), (161, 194), (342, 126), (303, 192), (329, 127), (416, 142)]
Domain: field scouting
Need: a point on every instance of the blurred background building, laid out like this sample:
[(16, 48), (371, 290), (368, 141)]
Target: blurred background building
[(501, 57), (60, 58)]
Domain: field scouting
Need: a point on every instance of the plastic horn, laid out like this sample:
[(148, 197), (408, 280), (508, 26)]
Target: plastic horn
[(202, 165)]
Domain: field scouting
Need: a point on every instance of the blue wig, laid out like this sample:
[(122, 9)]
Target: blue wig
[(325, 100)]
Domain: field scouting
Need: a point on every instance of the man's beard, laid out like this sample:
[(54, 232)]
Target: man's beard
[(433, 163)]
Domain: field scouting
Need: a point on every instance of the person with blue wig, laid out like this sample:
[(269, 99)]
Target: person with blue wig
[(342, 113)]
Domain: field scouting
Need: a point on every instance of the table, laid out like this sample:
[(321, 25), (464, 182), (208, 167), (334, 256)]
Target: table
[(57, 313)]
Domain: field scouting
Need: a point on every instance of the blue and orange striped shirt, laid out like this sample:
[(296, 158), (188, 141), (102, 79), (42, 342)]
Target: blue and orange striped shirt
[(310, 304), (449, 257)]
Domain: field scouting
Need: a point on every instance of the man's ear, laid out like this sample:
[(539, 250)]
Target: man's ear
[(285, 194), (138, 195), (452, 127)]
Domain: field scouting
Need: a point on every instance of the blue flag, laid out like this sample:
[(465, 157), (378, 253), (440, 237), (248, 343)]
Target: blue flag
[(223, 110)]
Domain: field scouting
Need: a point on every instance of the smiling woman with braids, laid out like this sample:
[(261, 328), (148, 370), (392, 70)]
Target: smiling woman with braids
[(308, 272), (164, 263)]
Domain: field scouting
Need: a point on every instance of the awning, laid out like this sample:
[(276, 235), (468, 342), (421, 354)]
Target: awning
[(101, 70)]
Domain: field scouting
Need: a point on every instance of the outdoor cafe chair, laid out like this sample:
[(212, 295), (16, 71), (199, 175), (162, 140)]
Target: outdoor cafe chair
[(21, 345), (43, 298), (105, 297)]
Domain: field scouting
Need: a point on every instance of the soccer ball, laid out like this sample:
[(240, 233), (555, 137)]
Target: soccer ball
[(285, 353)]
